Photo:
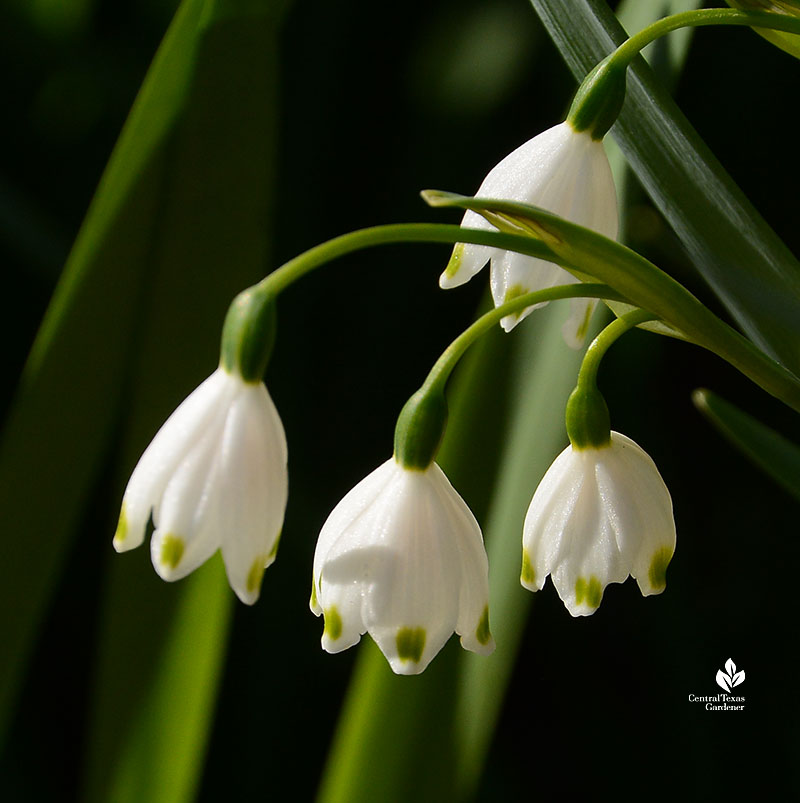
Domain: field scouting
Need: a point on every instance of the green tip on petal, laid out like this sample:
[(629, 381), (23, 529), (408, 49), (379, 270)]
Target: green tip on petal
[(657, 573), (172, 550), (313, 602), (528, 574), (456, 259), (515, 291), (122, 528), (482, 633), (580, 334), (274, 551), (333, 623), (410, 643), (256, 574), (588, 591)]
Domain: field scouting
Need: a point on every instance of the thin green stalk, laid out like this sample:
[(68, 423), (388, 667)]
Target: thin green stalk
[(443, 367), (600, 96), (248, 333), (587, 417), (699, 18), (587, 375), (291, 271), (422, 421)]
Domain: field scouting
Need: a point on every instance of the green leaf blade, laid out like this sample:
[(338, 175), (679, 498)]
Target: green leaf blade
[(159, 671), (72, 386), (748, 267), (778, 457), (179, 224)]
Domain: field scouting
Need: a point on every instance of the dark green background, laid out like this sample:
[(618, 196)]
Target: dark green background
[(378, 102)]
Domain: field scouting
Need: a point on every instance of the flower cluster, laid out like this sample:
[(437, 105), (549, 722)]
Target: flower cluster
[(401, 557)]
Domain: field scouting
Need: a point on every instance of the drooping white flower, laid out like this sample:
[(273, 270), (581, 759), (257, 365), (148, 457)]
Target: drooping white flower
[(560, 170), (214, 477), (598, 515), (402, 557)]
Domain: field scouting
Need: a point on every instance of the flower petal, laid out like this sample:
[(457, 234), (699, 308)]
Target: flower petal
[(165, 452), (473, 601), (345, 524), (547, 517), (650, 523), (513, 275), (418, 589), (253, 483), (187, 520)]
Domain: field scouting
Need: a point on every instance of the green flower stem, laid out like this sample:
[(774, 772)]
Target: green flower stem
[(421, 423), (587, 253), (587, 418), (249, 329), (443, 367), (631, 48), (290, 272), (587, 376), (600, 96)]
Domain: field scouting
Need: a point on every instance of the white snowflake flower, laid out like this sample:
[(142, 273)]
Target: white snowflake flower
[(402, 557), (560, 170), (214, 477), (598, 515)]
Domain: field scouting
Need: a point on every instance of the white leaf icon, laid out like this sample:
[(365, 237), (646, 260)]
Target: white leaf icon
[(723, 680), (737, 678), (730, 667)]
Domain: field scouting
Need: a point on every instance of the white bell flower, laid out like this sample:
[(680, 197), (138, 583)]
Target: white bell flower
[(214, 477), (402, 557), (598, 515), (560, 170)]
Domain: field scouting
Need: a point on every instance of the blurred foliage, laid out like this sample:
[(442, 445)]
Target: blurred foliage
[(377, 102)]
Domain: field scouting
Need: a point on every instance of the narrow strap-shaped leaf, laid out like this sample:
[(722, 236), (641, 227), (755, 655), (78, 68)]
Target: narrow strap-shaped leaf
[(588, 254), (737, 253), (394, 739), (157, 684), (69, 395), (211, 240), (770, 451)]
